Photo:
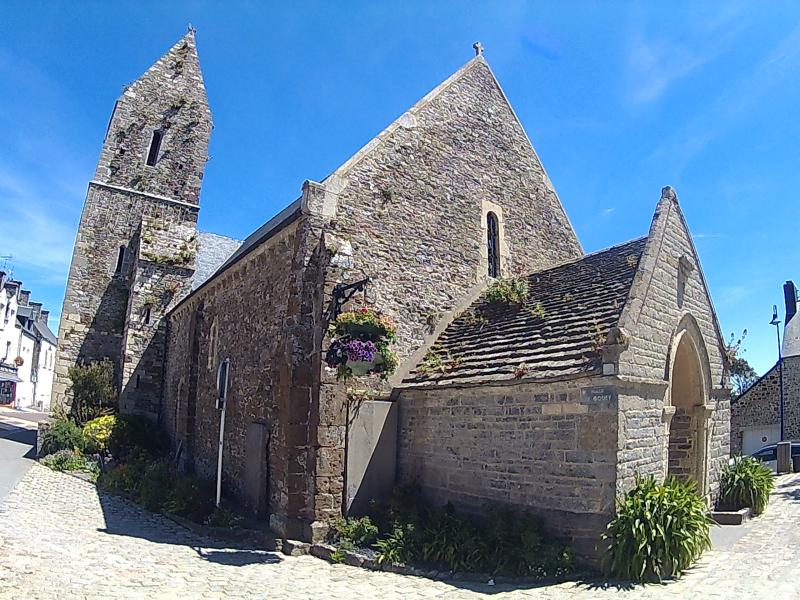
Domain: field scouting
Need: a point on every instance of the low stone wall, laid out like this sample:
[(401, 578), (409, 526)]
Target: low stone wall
[(548, 449)]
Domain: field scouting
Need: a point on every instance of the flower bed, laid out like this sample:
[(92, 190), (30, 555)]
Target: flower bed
[(406, 535), (360, 344)]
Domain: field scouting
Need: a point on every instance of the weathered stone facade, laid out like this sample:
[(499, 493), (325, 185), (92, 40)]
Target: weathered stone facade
[(628, 336), (488, 430), (135, 245)]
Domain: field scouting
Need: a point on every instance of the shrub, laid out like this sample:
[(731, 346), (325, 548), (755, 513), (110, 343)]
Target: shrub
[(132, 435), (452, 540), (97, 432), (93, 393), (72, 460), (519, 547), (125, 478), (358, 531), (63, 434), (659, 530), (192, 498), (156, 484), (508, 291), (747, 483)]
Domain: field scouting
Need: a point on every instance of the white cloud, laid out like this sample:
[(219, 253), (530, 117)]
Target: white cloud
[(34, 231)]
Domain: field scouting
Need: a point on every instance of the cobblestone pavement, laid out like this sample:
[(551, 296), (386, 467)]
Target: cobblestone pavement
[(60, 539)]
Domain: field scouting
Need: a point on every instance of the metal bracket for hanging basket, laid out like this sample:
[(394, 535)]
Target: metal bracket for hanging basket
[(342, 293)]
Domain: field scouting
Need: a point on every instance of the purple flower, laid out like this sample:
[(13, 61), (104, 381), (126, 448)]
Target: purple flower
[(361, 351)]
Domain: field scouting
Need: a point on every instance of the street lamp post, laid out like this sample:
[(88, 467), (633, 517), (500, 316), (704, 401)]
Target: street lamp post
[(777, 323)]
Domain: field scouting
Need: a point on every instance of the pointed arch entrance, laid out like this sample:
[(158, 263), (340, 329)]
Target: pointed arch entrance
[(687, 456)]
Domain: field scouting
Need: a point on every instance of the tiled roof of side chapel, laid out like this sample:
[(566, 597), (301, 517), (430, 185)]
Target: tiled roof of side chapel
[(555, 333)]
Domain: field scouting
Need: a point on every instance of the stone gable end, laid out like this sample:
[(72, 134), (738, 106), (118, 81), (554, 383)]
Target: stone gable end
[(669, 291)]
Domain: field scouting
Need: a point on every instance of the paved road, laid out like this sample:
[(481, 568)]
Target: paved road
[(59, 538), (17, 448)]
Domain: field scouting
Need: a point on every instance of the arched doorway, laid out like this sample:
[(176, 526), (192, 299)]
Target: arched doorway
[(687, 438)]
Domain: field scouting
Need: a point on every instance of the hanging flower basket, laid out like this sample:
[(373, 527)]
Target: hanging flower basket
[(19, 361), (360, 344)]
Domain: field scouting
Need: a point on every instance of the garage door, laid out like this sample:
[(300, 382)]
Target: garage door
[(755, 438)]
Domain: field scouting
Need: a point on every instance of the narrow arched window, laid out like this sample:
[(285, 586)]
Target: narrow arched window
[(146, 314), (120, 259), (493, 244), (155, 146)]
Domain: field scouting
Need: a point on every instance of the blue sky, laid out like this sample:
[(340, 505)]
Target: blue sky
[(619, 99)]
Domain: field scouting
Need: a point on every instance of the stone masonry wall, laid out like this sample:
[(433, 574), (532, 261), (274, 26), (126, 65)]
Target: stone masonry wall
[(169, 98), (669, 293), (550, 449), (243, 317), (165, 261), (643, 434), (96, 299), (760, 405), (408, 211)]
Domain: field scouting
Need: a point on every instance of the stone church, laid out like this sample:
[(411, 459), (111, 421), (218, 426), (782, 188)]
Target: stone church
[(612, 366)]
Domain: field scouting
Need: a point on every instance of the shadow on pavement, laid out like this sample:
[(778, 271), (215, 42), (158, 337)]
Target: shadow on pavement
[(125, 518), (23, 436)]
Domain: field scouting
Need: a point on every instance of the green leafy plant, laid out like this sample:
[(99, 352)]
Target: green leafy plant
[(513, 290), (452, 540), (360, 531), (63, 434), (502, 542), (438, 360), (156, 486), (72, 460), (659, 531), (399, 547), (746, 483), (193, 498), (93, 392)]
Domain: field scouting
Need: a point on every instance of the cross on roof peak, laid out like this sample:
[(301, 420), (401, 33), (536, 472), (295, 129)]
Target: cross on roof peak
[(478, 48)]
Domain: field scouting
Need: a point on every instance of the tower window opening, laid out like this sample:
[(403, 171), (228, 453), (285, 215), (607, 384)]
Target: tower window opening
[(138, 381), (493, 244), (120, 259), (146, 314), (155, 146)]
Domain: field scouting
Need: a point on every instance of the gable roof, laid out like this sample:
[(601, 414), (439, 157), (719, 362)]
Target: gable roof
[(294, 210), (581, 300)]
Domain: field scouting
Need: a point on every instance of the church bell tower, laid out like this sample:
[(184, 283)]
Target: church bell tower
[(134, 254)]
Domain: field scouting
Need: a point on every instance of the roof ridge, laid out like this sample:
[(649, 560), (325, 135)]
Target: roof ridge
[(585, 256)]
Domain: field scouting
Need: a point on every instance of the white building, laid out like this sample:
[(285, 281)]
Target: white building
[(27, 349)]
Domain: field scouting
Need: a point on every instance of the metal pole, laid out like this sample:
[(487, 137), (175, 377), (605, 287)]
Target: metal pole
[(780, 377), (219, 456)]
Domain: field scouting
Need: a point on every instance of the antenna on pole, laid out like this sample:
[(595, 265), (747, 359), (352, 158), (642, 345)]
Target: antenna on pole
[(7, 264)]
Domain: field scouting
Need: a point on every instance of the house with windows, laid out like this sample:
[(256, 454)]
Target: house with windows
[(756, 413), (611, 365), (27, 349)]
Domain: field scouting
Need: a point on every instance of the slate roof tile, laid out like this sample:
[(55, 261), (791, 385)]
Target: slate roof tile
[(581, 301)]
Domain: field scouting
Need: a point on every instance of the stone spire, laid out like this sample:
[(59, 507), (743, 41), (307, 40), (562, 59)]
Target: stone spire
[(157, 140)]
